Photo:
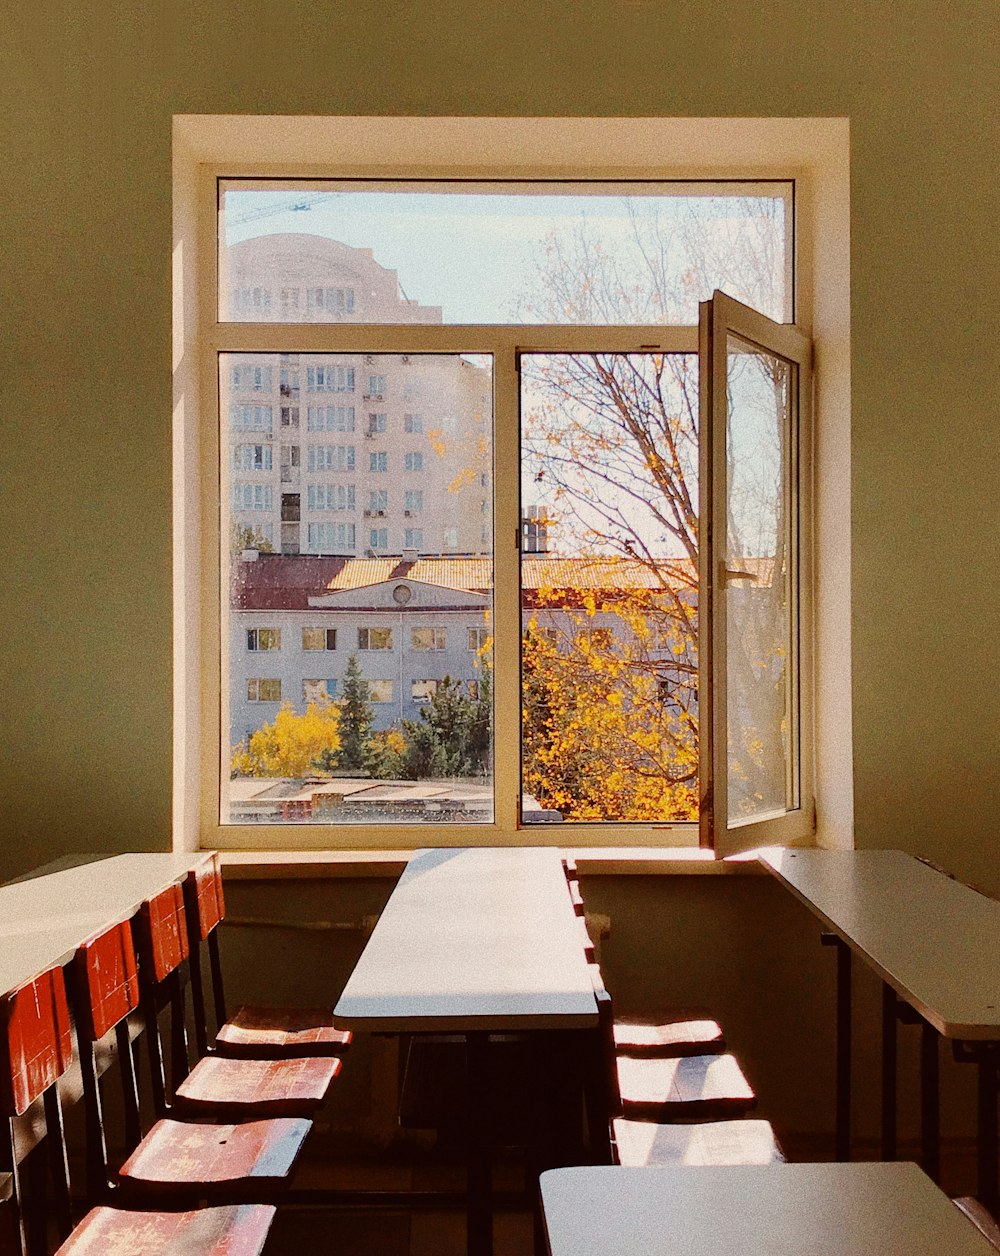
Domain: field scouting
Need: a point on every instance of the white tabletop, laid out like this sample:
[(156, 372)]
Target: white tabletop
[(44, 919), (473, 939), (934, 940), (763, 1210)]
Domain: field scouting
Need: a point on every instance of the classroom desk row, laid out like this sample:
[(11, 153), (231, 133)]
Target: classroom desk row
[(475, 942)]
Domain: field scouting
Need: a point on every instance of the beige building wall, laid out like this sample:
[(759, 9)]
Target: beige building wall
[(407, 467)]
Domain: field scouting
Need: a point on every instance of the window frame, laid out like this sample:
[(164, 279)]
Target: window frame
[(199, 163)]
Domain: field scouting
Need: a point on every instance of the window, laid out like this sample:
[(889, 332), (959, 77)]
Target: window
[(260, 689), (263, 639), (413, 422), (423, 690), (330, 538), (377, 423), (330, 497), (413, 500), (289, 416), (330, 378), (427, 638), (320, 690), (251, 302), (460, 335), (376, 387), (413, 538), (251, 379), (251, 457), (330, 419), (380, 691), (374, 638), (330, 301), (477, 638), (413, 461), (250, 418), (319, 638), (378, 461), (330, 458), (378, 501), (378, 538), (252, 497), (288, 381)]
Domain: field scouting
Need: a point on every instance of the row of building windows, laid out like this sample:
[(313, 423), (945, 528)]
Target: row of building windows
[(268, 689), (252, 378), (337, 538), (321, 458), (261, 639), (258, 301)]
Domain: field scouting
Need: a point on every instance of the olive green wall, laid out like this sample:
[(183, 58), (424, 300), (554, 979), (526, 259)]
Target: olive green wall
[(89, 90)]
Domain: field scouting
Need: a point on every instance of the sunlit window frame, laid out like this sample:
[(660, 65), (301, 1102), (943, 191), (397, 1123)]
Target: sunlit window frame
[(505, 344)]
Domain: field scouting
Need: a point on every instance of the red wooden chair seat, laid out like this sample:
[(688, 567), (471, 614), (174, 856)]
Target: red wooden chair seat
[(230, 1162), (240, 1230), (278, 1033), (642, 1143), (262, 1033), (668, 1034), (255, 1088), (682, 1088)]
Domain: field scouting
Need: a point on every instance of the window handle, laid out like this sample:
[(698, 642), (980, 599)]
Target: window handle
[(734, 573)]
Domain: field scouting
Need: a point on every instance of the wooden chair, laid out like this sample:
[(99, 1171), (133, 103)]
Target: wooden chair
[(639, 1143), (217, 1088), (668, 1093), (35, 1051), (257, 1033), (227, 1163), (664, 1035), (981, 1218)]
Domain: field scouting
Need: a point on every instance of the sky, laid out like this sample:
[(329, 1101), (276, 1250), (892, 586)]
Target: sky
[(475, 254)]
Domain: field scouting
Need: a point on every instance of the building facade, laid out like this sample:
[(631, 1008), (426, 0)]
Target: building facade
[(348, 454)]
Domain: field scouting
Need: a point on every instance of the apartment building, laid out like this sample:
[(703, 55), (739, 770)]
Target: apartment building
[(349, 453)]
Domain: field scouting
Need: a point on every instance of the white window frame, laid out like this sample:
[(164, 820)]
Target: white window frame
[(813, 152)]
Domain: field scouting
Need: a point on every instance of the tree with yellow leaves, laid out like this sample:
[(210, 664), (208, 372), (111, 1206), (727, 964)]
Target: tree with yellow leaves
[(603, 735), (294, 745)]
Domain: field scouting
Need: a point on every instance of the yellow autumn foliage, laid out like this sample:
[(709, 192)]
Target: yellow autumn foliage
[(292, 745)]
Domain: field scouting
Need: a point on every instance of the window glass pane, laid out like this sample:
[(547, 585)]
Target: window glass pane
[(502, 253), (759, 563), (609, 586), (393, 724)]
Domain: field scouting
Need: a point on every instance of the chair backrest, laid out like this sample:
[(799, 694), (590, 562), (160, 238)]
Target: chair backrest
[(204, 899), (206, 909), (161, 938), (108, 980), (36, 1048), (162, 933), (606, 1037)]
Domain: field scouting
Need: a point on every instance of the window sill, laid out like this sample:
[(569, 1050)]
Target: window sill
[(276, 865)]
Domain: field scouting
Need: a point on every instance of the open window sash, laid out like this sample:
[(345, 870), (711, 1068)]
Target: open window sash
[(754, 623)]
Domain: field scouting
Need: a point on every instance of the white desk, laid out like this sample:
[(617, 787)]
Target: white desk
[(45, 918), (936, 945), (934, 940), (772, 1210), (473, 939)]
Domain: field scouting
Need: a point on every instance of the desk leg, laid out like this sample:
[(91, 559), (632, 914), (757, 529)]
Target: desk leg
[(888, 1072), (843, 1118), (479, 1210), (930, 1112), (988, 1189)]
